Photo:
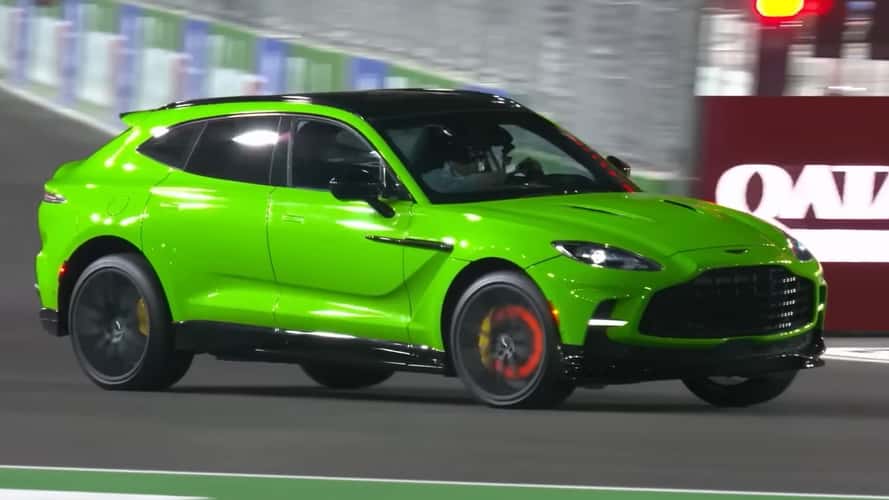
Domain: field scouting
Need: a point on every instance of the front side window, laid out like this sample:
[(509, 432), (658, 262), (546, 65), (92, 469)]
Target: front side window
[(321, 151), (238, 149), (172, 146), (474, 156)]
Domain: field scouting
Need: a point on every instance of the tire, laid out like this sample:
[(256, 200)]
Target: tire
[(179, 365), (504, 344), (336, 376), (121, 328), (746, 392)]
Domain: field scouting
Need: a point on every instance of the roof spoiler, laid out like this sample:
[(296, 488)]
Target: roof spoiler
[(133, 118)]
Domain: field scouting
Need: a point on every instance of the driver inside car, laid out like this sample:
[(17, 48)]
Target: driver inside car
[(457, 176), (464, 167)]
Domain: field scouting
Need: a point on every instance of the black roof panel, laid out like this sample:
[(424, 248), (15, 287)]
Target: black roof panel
[(378, 103)]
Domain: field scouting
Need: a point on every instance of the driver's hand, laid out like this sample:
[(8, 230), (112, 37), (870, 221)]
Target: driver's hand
[(530, 168)]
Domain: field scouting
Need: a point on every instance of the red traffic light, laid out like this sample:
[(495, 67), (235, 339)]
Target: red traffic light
[(780, 9), (786, 10)]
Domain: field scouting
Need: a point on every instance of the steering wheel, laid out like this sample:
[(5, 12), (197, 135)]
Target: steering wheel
[(528, 170)]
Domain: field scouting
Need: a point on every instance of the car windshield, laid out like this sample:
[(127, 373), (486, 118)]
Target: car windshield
[(470, 156)]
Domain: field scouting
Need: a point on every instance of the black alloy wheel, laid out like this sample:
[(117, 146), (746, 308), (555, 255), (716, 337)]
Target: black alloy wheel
[(504, 344), (120, 326)]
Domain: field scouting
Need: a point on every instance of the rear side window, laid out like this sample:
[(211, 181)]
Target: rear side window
[(237, 149), (173, 146)]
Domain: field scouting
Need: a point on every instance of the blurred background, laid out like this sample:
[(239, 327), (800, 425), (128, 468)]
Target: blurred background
[(768, 106)]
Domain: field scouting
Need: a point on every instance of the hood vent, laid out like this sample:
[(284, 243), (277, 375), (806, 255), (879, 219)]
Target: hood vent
[(596, 210), (683, 205)]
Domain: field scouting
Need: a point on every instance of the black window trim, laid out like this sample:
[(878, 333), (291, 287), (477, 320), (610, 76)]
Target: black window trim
[(295, 117)]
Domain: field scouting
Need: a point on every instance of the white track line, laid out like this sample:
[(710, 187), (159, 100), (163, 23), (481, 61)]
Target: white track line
[(82, 495), (448, 483), (57, 108), (879, 355)]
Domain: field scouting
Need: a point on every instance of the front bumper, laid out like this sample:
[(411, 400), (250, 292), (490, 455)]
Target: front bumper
[(601, 361), (578, 292), (605, 339)]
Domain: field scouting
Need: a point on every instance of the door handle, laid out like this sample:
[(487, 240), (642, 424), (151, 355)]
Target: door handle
[(299, 219)]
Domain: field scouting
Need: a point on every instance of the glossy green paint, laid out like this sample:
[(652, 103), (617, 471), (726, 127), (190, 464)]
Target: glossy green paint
[(353, 284), (300, 259), (106, 196), (207, 240)]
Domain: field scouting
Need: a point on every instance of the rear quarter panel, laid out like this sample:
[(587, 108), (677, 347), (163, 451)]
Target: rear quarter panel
[(105, 195)]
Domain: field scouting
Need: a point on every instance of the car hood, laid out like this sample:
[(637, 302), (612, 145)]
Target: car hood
[(636, 221)]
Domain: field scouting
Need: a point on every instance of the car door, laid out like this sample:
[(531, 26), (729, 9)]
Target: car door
[(206, 225), (335, 274)]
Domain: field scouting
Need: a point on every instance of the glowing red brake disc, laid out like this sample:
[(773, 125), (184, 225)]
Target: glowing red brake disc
[(527, 367)]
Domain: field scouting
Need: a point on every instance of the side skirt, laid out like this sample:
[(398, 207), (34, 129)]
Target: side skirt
[(273, 345)]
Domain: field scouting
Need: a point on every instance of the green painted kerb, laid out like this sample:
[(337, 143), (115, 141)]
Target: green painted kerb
[(162, 30), (409, 77), (316, 70), (233, 48), (271, 488), (101, 16)]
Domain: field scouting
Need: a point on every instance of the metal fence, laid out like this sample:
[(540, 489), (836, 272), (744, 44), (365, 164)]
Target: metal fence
[(621, 73)]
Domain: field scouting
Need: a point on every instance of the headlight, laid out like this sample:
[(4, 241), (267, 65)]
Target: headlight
[(802, 253), (599, 255)]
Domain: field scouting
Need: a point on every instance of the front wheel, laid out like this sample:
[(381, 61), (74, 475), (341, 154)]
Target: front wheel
[(504, 344), (740, 391)]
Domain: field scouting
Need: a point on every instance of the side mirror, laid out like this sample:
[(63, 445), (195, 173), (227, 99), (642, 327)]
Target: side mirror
[(620, 164), (360, 184)]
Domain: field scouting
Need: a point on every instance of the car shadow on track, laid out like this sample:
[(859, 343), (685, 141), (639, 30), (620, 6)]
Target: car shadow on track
[(583, 401), (444, 396), (427, 396)]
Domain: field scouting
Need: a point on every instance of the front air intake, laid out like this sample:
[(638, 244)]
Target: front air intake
[(732, 302)]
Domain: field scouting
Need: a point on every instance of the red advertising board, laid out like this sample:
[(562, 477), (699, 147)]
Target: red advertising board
[(817, 167)]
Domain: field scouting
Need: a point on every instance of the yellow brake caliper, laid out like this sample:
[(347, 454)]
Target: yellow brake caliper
[(142, 316), (484, 340)]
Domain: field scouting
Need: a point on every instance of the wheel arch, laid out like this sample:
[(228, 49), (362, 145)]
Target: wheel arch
[(85, 254), (468, 275)]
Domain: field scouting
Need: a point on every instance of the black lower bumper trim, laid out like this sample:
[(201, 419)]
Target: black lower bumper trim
[(49, 319), (602, 361)]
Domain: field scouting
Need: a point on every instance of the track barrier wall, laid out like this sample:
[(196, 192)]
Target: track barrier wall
[(101, 57)]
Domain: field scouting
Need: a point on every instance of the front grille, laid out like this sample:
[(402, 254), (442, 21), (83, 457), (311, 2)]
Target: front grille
[(731, 302)]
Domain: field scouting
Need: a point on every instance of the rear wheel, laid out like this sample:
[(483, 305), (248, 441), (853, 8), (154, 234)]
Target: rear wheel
[(740, 391), (120, 326), (337, 376), (504, 344)]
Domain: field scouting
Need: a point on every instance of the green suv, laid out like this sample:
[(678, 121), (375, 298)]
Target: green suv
[(361, 233)]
